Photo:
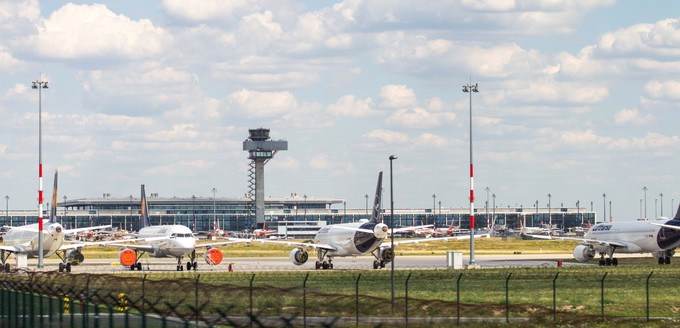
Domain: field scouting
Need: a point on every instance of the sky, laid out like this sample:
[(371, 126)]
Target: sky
[(576, 99)]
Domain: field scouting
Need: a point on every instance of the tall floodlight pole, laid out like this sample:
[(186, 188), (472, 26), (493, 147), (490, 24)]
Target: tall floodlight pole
[(392, 158), (214, 210), (604, 207), (469, 88), (644, 188), (493, 209), (7, 209), (488, 225), (125, 223), (366, 196), (549, 214), (193, 209), (660, 196), (38, 84), (434, 208)]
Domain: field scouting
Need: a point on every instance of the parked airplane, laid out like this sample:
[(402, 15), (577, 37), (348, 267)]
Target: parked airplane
[(352, 239), (166, 241), (263, 233), (658, 238), (24, 240)]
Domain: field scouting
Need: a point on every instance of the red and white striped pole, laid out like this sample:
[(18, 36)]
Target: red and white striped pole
[(40, 85), (469, 88)]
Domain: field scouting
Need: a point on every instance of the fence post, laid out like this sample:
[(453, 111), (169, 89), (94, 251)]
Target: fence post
[(356, 297), (507, 298), (650, 275), (602, 293), (555, 297), (458, 299), (304, 301), (198, 276), (251, 298), (406, 297), (84, 309), (143, 300)]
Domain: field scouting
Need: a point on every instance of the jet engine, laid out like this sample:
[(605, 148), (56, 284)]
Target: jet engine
[(213, 256), (387, 255), (75, 257), (299, 256), (584, 253), (127, 257), (380, 231)]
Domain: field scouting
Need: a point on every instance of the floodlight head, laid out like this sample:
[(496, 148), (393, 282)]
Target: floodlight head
[(465, 88), (45, 85), (35, 85), (393, 157)]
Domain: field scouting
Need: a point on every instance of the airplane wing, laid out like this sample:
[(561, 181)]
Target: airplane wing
[(402, 229), (666, 225), (11, 249), (585, 241), (67, 245), (299, 244), (442, 239), (231, 241), (77, 230)]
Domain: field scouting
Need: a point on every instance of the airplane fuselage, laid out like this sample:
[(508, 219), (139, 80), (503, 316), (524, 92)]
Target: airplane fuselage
[(25, 239), (349, 242), (180, 241), (639, 236)]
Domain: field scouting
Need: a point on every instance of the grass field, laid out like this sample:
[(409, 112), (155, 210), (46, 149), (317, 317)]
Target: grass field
[(482, 246)]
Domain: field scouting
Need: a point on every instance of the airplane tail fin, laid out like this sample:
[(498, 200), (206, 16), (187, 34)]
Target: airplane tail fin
[(55, 199), (376, 203), (146, 221)]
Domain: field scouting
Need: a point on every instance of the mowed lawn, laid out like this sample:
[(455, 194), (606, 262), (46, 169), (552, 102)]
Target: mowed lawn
[(482, 246)]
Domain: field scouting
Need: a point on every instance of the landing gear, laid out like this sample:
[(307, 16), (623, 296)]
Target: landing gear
[(192, 261), (137, 266), (664, 260), (610, 260), (179, 264), (65, 267), (323, 264), (6, 267)]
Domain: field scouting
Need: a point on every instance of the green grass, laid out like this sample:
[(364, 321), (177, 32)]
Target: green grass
[(482, 246)]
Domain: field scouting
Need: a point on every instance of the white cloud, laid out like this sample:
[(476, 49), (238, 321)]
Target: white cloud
[(349, 106), (414, 118), (631, 116), (397, 96), (387, 136), (263, 104), (204, 10), (77, 32), (663, 89)]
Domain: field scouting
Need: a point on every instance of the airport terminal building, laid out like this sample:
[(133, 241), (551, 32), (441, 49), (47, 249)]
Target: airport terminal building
[(295, 215)]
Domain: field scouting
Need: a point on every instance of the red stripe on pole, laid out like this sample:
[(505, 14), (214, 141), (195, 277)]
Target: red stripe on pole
[(471, 171), (40, 196), (40, 170), (472, 196), (40, 223), (472, 221)]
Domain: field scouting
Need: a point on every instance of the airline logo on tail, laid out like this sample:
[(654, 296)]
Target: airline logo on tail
[(378, 196), (146, 221), (55, 199)]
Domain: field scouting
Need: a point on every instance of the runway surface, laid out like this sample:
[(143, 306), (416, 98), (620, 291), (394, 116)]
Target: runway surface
[(247, 264)]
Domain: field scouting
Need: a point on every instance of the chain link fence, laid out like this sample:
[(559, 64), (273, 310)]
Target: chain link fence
[(336, 298)]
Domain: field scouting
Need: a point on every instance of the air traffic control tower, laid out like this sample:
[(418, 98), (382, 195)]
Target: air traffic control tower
[(260, 151)]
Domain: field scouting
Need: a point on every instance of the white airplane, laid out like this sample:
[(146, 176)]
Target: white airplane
[(24, 240), (659, 238), (263, 233), (352, 239), (166, 241)]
